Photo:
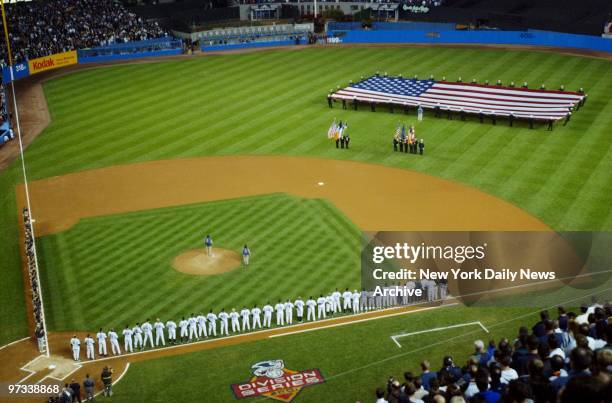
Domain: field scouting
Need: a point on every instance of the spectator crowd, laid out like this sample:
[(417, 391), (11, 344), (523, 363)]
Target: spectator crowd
[(34, 286), (567, 359), (41, 28)]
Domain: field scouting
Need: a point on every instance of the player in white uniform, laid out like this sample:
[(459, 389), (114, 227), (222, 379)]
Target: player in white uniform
[(321, 302), (193, 327), (114, 342), (443, 288), (159, 333), (223, 317), (347, 300), (299, 309), (246, 319), (147, 330), (336, 301), (311, 304), (288, 312), (363, 301), (212, 323), (280, 313), (256, 314), (410, 285), (89, 344), (202, 326), (128, 346), (171, 326), (101, 336), (267, 310), (329, 304), (76, 347), (137, 332), (355, 297), (183, 324), (235, 321)]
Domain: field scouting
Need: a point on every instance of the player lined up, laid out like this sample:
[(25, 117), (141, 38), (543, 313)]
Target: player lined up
[(196, 327)]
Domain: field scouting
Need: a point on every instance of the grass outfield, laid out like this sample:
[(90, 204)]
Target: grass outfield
[(116, 270), (274, 103)]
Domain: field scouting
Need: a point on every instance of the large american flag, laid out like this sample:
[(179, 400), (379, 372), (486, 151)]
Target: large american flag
[(471, 98)]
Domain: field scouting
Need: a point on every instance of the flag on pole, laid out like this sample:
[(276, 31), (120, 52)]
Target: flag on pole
[(332, 130)]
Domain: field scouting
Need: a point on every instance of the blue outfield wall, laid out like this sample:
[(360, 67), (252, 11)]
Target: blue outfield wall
[(20, 70), (232, 46), (127, 56), (521, 38)]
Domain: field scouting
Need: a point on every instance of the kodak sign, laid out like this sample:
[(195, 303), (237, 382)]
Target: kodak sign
[(52, 62)]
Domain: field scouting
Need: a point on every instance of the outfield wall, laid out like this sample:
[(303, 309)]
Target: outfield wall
[(518, 38)]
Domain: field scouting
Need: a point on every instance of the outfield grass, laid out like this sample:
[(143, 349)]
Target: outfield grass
[(116, 270), (274, 103)]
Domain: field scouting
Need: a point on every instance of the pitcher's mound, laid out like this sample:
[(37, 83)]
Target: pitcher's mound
[(196, 262)]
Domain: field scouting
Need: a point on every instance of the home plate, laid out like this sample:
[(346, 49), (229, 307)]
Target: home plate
[(320, 183), (60, 367)]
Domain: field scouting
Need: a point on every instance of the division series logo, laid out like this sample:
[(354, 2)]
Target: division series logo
[(272, 380)]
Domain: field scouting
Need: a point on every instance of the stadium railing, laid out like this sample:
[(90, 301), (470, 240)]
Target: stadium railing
[(256, 36), (131, 50)]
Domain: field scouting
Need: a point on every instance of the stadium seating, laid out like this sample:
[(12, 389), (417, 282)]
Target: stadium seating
[(40, 28), (566, 360)]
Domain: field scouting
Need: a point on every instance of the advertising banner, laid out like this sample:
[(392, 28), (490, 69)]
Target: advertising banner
[(20, 70), (52, 62)]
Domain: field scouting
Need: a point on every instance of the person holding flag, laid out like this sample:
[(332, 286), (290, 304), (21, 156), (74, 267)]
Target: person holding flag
[(412, 139), (396, 137), (332, 130)]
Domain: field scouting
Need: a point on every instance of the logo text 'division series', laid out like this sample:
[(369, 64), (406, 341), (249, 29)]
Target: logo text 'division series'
[(272, 380)]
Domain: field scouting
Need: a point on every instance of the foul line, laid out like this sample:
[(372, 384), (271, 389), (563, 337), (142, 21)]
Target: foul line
[(437, 329), (361, 320), (127, 365)]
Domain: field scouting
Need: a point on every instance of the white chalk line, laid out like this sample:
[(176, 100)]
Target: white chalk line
[(437, 329), (13, 342), (127, 365), (361, 320)]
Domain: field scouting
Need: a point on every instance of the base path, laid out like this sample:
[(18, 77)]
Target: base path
[(372, 196)]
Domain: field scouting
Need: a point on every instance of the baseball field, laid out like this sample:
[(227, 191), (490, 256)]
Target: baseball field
[(140, 161)]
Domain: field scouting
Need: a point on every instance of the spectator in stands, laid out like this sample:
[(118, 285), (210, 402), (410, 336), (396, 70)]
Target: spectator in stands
[(380, 396), (538, 329), (426, 374), (519, 363), (449, 370), (41, 28)]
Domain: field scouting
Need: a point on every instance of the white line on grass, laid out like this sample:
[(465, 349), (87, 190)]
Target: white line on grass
[(116, 380), (437, 329), (360, 320), (13, 342)]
